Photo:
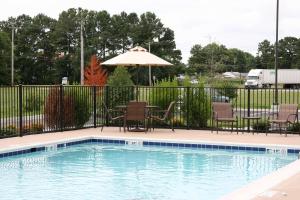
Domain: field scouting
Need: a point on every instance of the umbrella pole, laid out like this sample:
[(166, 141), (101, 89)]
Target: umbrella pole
[(137, 75), (150, 76), (137, 83)]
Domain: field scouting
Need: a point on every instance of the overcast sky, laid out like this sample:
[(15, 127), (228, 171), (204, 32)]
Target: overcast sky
[(236, 23)]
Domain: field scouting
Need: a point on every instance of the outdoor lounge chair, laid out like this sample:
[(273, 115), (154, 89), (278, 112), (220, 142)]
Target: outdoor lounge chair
[(287, 114), (136, 111), (223, 112), (167, 116), (108, 115)]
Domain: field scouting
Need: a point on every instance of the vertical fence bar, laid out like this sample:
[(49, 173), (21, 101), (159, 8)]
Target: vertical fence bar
[(248, 108), (95, 104), (20, 112), (188, 107), (137, 93), (106, 103), (61, 107)]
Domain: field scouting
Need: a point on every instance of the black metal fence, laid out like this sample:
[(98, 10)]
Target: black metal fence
[(37, 109)]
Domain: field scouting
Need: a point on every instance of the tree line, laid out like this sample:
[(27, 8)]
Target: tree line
[(214, 58), (48, 49)]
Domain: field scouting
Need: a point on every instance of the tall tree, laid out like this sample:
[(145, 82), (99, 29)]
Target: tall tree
[(265, 55), (4, 58), (288, 53), (217, 58)]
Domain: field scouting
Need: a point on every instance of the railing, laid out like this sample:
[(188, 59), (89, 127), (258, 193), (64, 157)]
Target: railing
[(37, 109)]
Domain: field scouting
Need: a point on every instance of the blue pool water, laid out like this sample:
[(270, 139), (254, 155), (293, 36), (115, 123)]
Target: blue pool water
[(122, 172)]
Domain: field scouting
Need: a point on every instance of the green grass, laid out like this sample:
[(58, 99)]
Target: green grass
[(9, 101), (266, 98)]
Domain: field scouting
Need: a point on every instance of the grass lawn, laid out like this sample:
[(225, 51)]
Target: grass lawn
[(265, 98), (32, 101)]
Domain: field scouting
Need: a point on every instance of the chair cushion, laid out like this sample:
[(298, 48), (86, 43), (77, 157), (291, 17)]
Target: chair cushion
[(278, 121)]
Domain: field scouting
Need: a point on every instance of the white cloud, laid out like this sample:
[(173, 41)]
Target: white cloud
[(235, 23)]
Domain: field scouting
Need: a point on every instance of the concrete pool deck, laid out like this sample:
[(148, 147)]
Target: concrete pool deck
[(280, 188)]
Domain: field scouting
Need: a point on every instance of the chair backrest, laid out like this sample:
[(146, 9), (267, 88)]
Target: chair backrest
[(288, 112), (169, 111), (222, 110), (136, 110)]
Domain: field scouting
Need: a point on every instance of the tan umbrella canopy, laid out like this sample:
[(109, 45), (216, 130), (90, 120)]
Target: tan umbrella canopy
[(137, 56)]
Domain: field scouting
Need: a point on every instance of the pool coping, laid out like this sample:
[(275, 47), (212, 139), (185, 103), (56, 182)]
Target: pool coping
[(249, 191)]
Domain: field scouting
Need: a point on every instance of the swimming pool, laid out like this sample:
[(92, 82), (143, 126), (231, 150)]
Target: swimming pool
[(131, 172)]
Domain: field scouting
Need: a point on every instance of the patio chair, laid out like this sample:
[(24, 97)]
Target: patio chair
[(166, 116), (286, 115), (136, 111), (223, 112), (108, 115)]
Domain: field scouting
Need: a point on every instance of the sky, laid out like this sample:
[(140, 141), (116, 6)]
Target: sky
[(234, 23)]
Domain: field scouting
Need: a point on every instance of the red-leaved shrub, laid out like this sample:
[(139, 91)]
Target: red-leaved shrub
[(55, 114)]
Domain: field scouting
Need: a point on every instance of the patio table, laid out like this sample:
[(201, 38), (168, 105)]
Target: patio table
[(150, 109)]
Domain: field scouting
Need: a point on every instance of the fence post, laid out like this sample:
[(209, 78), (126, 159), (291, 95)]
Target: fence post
[(106, 103), (61, 107), (188, 107), (137, 93), (248, 109), (20, 111), (95, 104)]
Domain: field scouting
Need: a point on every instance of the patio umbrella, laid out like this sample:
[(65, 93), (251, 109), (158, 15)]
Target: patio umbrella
[(137, 56)]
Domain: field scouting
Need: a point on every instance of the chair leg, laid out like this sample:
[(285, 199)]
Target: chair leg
[(217, 126), (212, 126), (102, 127), (119, 124), (125, 125), (231, 127), (279, 128), (171, 125)]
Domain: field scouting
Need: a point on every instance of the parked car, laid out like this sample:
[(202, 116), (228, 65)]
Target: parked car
[(215, 96), (220, 98), (194, 81)]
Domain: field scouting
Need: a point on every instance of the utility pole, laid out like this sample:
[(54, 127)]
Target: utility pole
[(81, 55), (12, 53), (212, 55), (150, 76), (276, 55)]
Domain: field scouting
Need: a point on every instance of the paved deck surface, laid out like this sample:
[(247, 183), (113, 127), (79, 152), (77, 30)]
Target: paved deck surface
[(288, 189)]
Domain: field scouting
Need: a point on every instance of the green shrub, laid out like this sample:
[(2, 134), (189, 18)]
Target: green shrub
[(261, 125), (79, 104), (164, 92), (32, 128), (196, 104), (8, 131), (178, 121), (226, 88), (294, 127), (32, 103), (120, 88)]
